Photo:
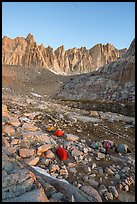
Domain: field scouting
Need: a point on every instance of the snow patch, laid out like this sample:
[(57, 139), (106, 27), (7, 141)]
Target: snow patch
[(43, 171), (37, 95), (53, 71), (57, 73), (38, 72)]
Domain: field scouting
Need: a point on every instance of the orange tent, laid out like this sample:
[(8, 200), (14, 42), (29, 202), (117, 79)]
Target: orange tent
[(51, 129), (58, 133)]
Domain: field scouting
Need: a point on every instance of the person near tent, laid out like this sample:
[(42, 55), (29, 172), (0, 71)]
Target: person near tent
[(107, 147)]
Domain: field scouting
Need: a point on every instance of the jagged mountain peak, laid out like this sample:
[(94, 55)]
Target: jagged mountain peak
[(26, 52), (30, 37), (131, 51)]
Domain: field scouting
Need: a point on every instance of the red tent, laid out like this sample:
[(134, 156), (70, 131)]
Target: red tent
[(61, 153), (59, 133)]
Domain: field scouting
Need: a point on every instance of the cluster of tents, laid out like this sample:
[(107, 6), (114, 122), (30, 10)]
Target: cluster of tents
[(103, 146), (60, 151)]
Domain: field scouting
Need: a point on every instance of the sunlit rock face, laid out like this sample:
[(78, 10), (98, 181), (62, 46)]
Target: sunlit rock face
[(25, 52), (112, 82)]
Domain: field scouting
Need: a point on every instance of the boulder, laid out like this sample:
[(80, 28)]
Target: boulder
[(28, 126), (5, 142), (93, 165), (54, 168), (129, 181), (43, 148), (102, 190), (15, 122), (76, 152), (49, 154), (122, 148), (24, 144), (91, 192), (117, 176), (114, 191), (93, 183), (109, 196), (8, 129), (71, 137), (33, 161), (23, 152), (14, 141), (109, 171), (5, 112)]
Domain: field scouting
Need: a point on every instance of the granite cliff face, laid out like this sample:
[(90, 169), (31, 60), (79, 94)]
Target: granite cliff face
[(25, 52), (112, 82)]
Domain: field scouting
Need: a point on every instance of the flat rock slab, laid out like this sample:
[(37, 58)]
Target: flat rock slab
[(16, 184), (8, 165), (36, 135), (87, 119), (23, 152), (28, 126), (36, 195), (32, 161), (74, 117), (116, 117)]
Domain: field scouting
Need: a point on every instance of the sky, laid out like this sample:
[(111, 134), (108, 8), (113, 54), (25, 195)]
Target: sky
[(72, 24)]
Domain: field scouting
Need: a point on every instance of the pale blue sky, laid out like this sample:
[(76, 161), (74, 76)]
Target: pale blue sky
[(72, 24)]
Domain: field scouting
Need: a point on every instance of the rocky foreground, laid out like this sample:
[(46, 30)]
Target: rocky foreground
[(31, 170)]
